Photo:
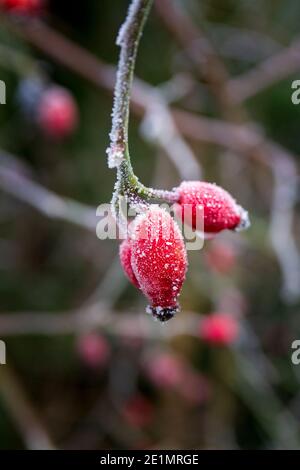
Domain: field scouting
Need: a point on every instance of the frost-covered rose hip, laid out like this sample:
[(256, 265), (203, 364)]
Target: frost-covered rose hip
[(199, 199), (22, 6), (158, 260), (57, 112), (219, 329), (125, 259)]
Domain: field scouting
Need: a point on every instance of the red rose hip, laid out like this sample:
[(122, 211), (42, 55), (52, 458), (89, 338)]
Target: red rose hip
[(57, 112), (125, 259), (22, 6), (159, 261), (199, 199), (219, 329)]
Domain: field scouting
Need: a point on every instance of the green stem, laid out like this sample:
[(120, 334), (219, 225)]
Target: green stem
[(128, 39)]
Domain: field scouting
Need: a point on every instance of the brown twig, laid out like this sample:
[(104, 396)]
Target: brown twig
[(14, 182), (92, 317), (102, 75), (245, 139), (87, 66), (277, 67)]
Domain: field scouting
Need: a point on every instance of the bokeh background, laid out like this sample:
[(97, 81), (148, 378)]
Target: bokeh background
[(86, 367)]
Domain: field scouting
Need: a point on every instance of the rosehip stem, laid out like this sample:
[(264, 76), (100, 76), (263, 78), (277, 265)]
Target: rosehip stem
[(128, 184)]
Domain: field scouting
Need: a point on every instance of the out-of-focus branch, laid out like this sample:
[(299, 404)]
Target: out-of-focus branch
[(272, 70), (14, 182), (285, 188), (248, 138), (196, 46), (230, 92), (242, 44), (89, 67), (33, 433), (138, 326), (281, 227), (93, 317), (244, 139), (102, 75), (158, 126)]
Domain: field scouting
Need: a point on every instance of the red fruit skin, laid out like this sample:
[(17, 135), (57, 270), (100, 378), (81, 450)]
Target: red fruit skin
[(159, 261), (57, 113), (22, 6), (220, 210), (125, 259), (219, 329)]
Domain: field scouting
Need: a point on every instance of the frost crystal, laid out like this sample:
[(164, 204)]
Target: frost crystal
[(118, 135), (244, 222), (115, 155), (124, 28)]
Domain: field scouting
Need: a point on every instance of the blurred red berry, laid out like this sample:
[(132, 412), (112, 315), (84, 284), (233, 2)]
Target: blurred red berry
[(138, 411), (220, 257), (165, 371), (199, 199), (219, 329), (125, 259), (93, 349), (22, 6), (159, 261), (57, 113)]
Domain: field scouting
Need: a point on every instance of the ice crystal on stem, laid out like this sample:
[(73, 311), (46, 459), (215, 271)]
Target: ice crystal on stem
[(118, 153), (128, 40)]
